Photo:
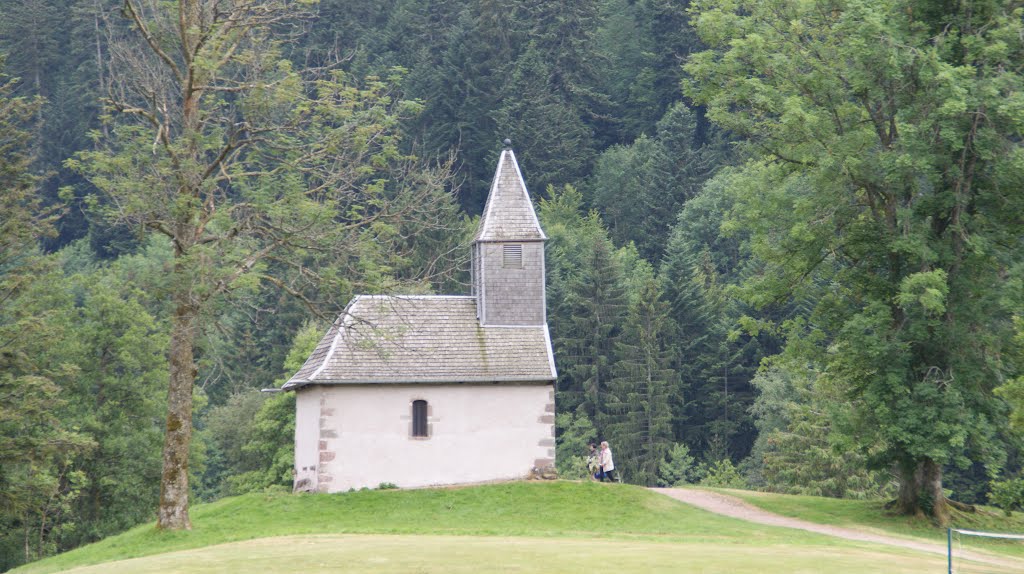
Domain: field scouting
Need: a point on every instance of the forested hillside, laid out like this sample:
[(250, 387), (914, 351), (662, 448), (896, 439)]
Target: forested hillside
[(785, 245)]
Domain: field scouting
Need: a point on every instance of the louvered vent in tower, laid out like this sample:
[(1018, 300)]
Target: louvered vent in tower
[(512, 257)]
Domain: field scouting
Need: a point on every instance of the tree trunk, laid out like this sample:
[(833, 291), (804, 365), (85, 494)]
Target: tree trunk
[(920, 491), (173, 513)]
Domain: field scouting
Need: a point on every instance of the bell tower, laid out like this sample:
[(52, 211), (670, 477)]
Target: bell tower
[(508, 252)]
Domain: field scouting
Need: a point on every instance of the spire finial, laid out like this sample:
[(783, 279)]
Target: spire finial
[(508, 143)]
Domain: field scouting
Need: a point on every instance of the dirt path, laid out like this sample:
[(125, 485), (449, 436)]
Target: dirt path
[(736, 508)]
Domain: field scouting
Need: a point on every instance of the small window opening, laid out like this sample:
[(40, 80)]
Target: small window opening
[(512, 257), (419, 418)]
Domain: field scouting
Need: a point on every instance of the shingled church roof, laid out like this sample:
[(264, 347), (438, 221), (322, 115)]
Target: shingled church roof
[(439, 338), (424, 339), (508, 214)]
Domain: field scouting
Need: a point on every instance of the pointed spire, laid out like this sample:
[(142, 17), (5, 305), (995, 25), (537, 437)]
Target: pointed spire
[(508, 214)]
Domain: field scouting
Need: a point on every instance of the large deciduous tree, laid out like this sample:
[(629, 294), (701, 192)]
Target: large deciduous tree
[(888, 169), (255, 173)]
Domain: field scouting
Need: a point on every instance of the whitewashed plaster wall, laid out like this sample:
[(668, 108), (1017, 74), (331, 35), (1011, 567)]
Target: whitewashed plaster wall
[(307, 435), (351, 436)]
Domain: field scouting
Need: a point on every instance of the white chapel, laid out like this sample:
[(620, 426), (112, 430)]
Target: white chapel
[(439, 389)]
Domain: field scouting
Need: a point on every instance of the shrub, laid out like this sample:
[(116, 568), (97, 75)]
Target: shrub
[(573, 468), (723, 474), (575, 432), (1007, 494), (677, 468)]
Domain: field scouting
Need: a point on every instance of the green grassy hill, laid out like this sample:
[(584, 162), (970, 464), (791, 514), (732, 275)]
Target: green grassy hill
[(511, 527), (870, 515)]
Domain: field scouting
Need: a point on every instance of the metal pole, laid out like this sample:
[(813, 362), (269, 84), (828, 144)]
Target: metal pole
[(949, 549)]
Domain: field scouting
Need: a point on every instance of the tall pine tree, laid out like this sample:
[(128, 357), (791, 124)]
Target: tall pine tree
[(644, 386)]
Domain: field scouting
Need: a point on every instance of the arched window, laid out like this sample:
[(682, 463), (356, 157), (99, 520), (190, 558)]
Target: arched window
[(419, 419)]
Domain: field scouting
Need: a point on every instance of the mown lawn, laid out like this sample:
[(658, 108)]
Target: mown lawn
[(430, 554), (556, 526)]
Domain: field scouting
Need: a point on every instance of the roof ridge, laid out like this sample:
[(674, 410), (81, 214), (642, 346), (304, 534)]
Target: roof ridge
[(386, 296)]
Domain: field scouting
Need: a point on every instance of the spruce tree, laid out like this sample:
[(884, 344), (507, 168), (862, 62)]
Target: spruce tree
[(556, 143), (596, 302), (716, 364), (644, 386)]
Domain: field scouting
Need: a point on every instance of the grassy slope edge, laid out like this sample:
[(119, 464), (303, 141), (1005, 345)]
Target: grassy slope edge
[(564, 509), (519, 509), (871, 515)]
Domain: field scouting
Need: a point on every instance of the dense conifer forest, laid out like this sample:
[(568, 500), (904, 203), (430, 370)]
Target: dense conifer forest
[(785, 244)]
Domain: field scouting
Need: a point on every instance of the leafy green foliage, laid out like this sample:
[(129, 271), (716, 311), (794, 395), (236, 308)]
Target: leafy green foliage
[(575, 433), (1013, 389), (253, 435), (872, 234), (716, 364), (574, 467), (23, 220), (288, 172), (270, 447), (51, 49), (595, 305), (554, 141), (39, 480), (882, 159), (797, 451), (120, 351), (586, 301), (1008, 494)]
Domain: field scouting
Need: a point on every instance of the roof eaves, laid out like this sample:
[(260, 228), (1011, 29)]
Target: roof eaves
[(342, 328), (343, 319), (403, 297), (523, 240), (522, 379), (551, 352)]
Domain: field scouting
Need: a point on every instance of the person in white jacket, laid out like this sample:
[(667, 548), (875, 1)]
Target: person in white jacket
[(607, 464)]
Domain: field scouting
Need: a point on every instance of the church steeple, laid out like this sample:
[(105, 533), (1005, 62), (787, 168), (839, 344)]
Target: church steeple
[(508, 214), (508, 252)]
